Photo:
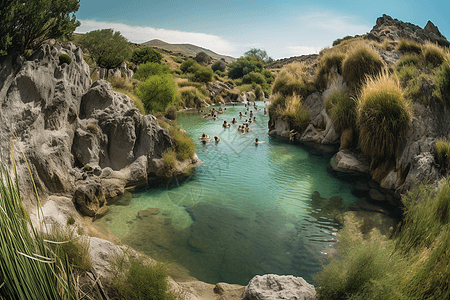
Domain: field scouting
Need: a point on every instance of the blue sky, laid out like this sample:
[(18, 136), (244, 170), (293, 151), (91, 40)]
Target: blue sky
[(282, 28)]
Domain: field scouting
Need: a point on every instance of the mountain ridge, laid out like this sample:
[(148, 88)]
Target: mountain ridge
[(187, 49)]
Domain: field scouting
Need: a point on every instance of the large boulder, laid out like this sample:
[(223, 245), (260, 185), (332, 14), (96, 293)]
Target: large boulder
[(346, 161), (276, 287)]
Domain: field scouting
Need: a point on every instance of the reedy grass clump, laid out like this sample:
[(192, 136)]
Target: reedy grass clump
[(342, 109), (442, 148), (29, 269), (433, 54), (361, 61), (293, 79), (413, 264), (408, 60), (383, 116), (184, 145), (135, 279), (292, 110), (442, 80), (409, 46), (326, 61)]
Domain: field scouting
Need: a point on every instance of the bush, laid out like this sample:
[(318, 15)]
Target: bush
[(293, 80), (342, 110), (150, 69), (91, 127), (157, 92), (203, 74), (361, 61), (384, 116), (64, 59), (107, 48), (443, 151), (433, 54), (409, 46), (325, 63), (169, 160), (413, 264), (184, 145), (171, 113), (189, 66), (292, 110), (135, 279), (244, 65), (254, 77), (442, 80), (202, 58), (219, 66), (145, 55)]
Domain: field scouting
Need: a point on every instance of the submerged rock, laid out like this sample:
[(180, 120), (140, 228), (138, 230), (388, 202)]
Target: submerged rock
[(276, 287)]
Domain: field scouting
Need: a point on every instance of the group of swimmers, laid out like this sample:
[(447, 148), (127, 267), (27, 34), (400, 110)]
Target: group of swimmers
[(244, 128)]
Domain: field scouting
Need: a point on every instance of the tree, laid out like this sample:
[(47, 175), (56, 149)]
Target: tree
[(107, 48), (149, 69), (145, 55), (262, 54), (219, 65), (202, 58), (157, 92), (26, 24), (244, 65)]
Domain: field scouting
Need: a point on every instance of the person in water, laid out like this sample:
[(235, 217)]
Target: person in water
[(204, 137), (234, 121), (258, 142), (216, 139), (254, 119), (251, 113), (225, 124)]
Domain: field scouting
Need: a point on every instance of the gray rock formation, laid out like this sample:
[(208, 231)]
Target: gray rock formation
[(388, 28), (348, 162), (81, 140), (274, 287), (224, 92), (120, 71)]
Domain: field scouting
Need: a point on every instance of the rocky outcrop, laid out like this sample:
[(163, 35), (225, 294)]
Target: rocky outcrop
[(388, 28), (81, 140), (120, 71), (224, 92), (274, 287)]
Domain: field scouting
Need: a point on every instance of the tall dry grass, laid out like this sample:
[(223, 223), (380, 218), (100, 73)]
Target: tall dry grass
[(384, 116), (293, 79)]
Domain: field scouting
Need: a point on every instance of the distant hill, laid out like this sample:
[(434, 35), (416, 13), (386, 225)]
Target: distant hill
[(186, 49)]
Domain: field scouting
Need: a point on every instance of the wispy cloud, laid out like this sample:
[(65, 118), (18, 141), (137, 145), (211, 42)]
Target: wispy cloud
[(333, 22), (139, 34)]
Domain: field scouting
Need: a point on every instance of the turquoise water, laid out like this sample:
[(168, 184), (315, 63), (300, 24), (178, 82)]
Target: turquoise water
[(246, 210)]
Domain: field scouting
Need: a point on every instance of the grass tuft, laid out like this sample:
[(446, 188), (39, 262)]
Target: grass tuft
[(326, 61), (442, 148), (342, 109), (361, 61), (383, 116), (293, 79), (292, 110), (433, 54), (442, 79), (409, 46)]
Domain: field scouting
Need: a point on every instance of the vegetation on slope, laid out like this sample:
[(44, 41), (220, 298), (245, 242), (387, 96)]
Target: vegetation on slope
[(413, 264)]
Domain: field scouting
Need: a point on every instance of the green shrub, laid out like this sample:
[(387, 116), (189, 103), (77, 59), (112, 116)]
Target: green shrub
[(189, 83), (383, 117), (171, 113), (70, 221), (244, 65), (184, 145), (442, 80), (342, 110), (169, 160), (121, 83), (64, 59), (219, 66), (293, 80), (150, 69), (203, 74), (361, 61), (412, 81), (202, 58), (177, 59), (157, 92), (254, 77), (325, 63), (433, 54), (190, 66), (443, 151), (135, 279), (409, 46), (145, 55)]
